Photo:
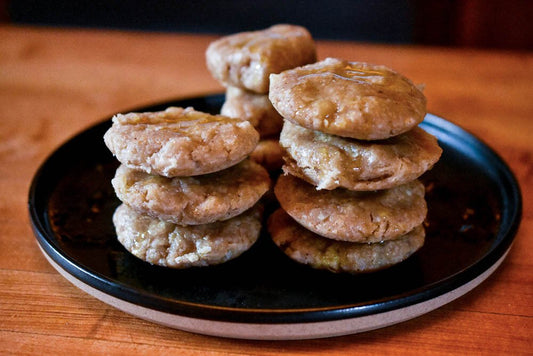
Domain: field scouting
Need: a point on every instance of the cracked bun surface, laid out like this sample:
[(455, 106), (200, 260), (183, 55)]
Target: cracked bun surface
[(179, 141), (306, 247), (246, 59), (329, 161), (193, 200), (169, 245), (350, 99), (346, 215)]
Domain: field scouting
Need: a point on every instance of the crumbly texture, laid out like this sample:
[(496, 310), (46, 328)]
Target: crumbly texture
[(246, 59), (329, 161), (193, 200), (169, 245), (179, 142), (346, 215), (319, 252), (350, 99), (255, 108), (269, 154)]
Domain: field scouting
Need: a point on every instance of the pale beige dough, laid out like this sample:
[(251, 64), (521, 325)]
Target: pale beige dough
[(255, 108), (329, 161), (350, 99), (319, 252), (169, 245), (246, 59), (346, 215), (193, 200), (179, 142), (269, 154)]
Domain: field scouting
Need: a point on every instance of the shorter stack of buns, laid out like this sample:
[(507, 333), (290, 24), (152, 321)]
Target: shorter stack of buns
[(189, 191)]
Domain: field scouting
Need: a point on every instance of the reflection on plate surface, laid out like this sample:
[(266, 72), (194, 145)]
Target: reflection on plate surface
[(474, 208)]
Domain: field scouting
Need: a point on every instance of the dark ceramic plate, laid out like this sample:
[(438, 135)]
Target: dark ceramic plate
[(474, 211)]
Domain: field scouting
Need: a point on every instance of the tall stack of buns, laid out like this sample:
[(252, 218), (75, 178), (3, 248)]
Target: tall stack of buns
[(350, 199)]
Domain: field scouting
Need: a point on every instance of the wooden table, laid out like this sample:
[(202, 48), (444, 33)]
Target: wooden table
[(56, 82)]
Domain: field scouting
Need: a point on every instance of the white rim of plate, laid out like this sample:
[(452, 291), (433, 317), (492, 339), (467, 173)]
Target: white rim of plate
[(280, 331)]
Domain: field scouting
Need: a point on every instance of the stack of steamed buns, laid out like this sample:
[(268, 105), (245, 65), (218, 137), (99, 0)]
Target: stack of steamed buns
[(242, 63), (189, 191), (350, 200)]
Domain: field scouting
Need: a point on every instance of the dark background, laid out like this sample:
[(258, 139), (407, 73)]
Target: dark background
[(502, 24)]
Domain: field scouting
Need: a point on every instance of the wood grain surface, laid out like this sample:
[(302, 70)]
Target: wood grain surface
[(56, 82)]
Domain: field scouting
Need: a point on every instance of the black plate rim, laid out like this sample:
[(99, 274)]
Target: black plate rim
[(506, 236)]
